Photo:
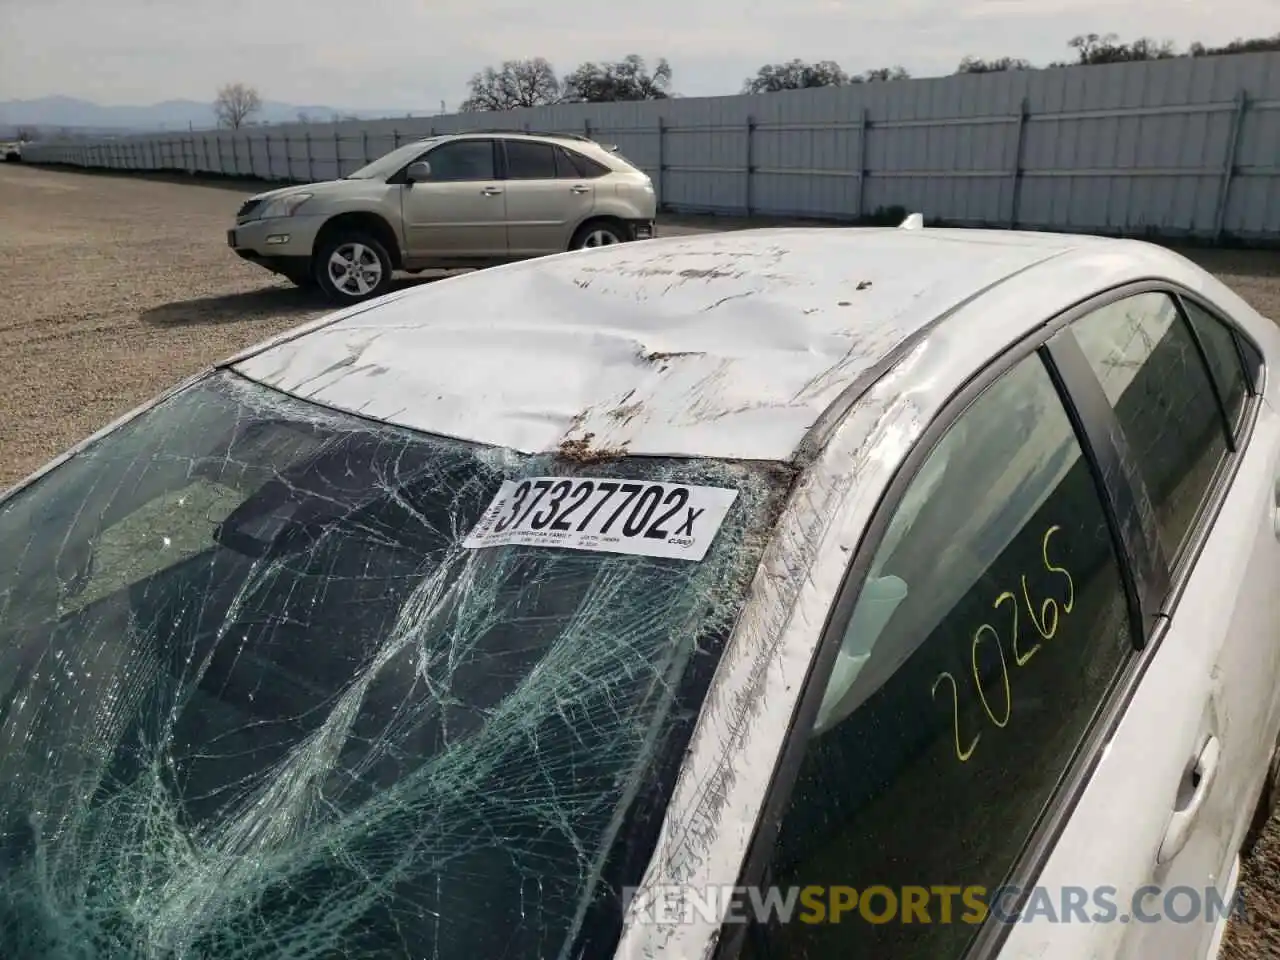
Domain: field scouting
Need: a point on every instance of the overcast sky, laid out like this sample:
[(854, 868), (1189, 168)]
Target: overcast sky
[(411, 54)]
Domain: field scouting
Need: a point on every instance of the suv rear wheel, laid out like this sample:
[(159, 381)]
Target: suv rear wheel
[(597, 233), (352, 267)]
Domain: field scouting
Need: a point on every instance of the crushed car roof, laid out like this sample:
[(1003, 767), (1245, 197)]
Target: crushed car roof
[(722, 345)]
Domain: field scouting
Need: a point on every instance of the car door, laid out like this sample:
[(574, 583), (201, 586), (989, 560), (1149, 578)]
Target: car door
[(1165, 811), (460, 212), (547, 198)]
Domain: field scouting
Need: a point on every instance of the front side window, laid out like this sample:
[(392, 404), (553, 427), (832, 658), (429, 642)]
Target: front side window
[(990, 628), (462, 160), (1146, 359), (256, 696)]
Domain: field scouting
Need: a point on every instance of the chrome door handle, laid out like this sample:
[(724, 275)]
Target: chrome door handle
[(490, 191), (579, 189)]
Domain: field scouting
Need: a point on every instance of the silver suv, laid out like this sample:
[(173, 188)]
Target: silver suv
[(467, 200)]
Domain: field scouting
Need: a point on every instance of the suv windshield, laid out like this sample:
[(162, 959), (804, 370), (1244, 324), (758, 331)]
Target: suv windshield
[(258, 699), (389, 163)]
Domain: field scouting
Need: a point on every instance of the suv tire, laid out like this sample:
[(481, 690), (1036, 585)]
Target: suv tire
[(352, 267), (597, 233)]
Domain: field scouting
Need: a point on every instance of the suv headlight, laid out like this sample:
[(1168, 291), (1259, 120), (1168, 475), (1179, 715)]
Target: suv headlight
[(282, 206)]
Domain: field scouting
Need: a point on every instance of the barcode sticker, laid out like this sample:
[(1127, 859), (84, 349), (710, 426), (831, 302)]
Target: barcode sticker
[(612, 516)]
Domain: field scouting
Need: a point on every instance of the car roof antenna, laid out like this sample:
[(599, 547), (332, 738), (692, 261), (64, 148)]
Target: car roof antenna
[(913, 222)]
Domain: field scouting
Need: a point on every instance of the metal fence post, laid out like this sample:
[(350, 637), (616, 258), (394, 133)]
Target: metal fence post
[(311, 161), (270, 166), (586, 128), (337, 153), (751, 162), (364, 147), (1229, 164), (395, 139), (235, 157), (662, 162), (1015, 175), (861, 184)]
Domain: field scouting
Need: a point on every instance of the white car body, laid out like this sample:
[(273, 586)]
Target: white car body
[(836, 350)]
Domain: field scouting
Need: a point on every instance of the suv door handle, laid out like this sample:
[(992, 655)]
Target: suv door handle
[(1199, 779), (579, 188), (491, 191)]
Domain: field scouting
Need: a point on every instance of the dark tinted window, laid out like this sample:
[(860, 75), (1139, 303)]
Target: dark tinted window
[(529, 160), (572, 164), (1144, 354), (990, 628), (462, 160), (1224, 359)]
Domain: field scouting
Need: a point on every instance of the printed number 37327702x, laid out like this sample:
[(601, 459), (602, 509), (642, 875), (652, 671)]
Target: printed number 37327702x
[(615, 516)]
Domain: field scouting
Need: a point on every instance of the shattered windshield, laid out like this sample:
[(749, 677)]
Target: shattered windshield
[(258, 699)]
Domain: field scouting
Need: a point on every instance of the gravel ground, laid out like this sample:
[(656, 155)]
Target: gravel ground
[(120, 286)]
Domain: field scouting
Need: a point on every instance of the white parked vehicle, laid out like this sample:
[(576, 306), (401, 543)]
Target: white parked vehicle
[(463, 622)]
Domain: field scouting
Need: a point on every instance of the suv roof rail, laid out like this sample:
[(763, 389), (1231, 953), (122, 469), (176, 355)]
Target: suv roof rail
[(527, 133)]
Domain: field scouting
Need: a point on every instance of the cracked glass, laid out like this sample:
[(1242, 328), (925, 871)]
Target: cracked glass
[(256, 700)]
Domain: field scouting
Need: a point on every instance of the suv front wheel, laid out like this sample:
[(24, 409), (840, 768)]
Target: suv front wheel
[(352, 267)]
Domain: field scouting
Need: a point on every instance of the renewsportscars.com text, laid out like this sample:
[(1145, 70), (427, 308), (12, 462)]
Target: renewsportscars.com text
[(937, 903)]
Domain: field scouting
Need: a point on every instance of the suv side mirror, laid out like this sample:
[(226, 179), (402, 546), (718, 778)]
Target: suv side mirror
[(418, 171)]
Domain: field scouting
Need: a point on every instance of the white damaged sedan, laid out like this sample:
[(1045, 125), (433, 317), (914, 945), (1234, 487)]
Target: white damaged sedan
[(893, 593)]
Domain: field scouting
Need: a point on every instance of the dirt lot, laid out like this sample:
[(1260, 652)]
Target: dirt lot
[(120, 286)]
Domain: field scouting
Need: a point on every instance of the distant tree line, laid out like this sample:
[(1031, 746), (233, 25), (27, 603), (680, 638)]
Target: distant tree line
[(535, 83)]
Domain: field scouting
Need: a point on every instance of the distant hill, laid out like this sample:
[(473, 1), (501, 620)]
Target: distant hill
[(54, 113)]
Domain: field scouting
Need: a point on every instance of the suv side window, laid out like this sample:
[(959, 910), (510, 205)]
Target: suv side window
[(1144, 354), (462, 160), (530, 160), (571, 165), (1224, 360), (990, 628)]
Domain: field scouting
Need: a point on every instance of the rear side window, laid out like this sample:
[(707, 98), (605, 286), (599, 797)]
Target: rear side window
[(990, 628), (530, 160), (1152, 372), (573, 165), (1223, 358)]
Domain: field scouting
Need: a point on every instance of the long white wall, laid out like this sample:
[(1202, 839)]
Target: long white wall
[(1185, 146)]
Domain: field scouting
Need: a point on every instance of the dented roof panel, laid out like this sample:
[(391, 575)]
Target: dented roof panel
[(721, 345)]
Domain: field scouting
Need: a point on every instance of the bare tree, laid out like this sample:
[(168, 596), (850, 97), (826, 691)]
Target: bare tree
[(626, 80), (884, 73), (304, 117), (795, 75), (517, 83), (971, 64), (236, 103)]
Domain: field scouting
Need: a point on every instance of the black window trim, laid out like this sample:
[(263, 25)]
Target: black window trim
[(1030, 863)]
